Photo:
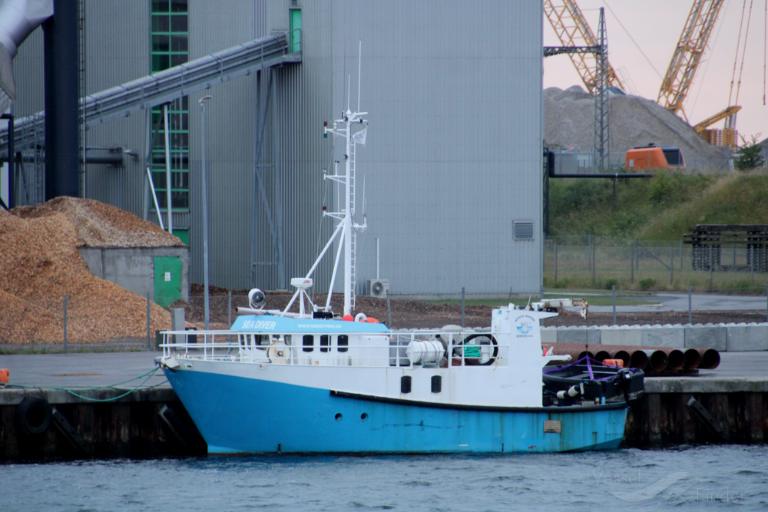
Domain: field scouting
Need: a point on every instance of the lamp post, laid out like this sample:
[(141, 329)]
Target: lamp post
[(204, 179)]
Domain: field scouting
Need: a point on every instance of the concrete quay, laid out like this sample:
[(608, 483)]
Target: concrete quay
[(104, 405), (722, 337)]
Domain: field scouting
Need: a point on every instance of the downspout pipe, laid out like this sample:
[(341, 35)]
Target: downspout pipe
[(62, 133), (18, 18)]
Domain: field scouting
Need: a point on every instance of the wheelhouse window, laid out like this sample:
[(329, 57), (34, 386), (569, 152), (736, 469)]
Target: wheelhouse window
[(342, 343), (325, 343), (308, 343)]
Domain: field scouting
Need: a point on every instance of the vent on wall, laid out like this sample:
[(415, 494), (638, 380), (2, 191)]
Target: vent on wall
[(523, 230)]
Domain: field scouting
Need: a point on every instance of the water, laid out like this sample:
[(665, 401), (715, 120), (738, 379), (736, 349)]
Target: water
[(700, 478)]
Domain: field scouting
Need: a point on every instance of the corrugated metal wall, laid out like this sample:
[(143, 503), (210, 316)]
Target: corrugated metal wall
[(117, 39), (454, 149)]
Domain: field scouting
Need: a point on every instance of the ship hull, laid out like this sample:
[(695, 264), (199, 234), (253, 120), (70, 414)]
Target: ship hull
[(238, 415)]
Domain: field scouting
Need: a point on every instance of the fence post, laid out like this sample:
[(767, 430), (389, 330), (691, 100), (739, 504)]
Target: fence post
[(389, 313), (592, 244), (229, 308), (66, 323), (671, 264), (711, 267), (462, 307), (555, 283), (613, 302), (632, 262), (690, 300), (149, 322)]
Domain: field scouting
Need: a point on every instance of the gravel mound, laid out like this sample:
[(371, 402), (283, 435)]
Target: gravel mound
[(633, 121), (40, 264)]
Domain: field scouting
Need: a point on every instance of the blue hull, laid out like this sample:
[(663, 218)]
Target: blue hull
[(238, 415)]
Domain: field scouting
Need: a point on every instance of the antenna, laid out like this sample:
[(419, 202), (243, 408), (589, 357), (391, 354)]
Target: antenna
[(349, 88), (359, 68)]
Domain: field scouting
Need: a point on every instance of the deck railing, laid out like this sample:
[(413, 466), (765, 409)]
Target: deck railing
[(469, 348)]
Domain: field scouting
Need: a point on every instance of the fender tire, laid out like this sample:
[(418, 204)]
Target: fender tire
[(34, 415)]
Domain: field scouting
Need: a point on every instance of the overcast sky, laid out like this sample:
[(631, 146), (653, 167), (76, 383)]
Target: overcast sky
[(655, 25)]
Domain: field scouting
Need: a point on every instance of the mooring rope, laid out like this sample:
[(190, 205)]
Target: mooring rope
[(76, 391)]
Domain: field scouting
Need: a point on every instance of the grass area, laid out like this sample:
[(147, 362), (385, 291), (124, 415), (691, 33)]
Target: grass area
[(632, 237), (661, 208)]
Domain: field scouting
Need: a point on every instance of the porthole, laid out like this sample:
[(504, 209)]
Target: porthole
[(437, 383), (364, 416), (405, 384), (338, 416)]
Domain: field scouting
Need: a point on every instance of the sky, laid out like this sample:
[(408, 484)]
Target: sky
[(655, 26)]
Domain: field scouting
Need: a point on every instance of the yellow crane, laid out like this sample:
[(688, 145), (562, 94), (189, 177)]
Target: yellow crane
[(687, 56), (572, 29)]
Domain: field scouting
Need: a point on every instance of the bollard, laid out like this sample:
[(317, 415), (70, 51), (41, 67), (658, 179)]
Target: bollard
[(66, 322), (389, 313)]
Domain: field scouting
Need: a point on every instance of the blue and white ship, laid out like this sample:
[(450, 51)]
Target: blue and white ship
[(307, 381)]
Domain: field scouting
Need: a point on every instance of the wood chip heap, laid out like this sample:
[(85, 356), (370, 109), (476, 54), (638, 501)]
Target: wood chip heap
[(40, 264)]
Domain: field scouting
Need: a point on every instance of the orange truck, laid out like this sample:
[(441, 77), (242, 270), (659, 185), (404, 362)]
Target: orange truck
[(653, 157)]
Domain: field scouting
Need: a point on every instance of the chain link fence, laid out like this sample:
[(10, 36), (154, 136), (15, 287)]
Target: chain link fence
[(600, 263)]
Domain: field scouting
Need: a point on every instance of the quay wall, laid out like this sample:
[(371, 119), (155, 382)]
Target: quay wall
[(722, 337), (152, 423)]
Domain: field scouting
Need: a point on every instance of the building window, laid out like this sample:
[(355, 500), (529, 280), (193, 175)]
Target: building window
[(325, 343), (308, 342), (343, 343), (169, 48), (295, 30)]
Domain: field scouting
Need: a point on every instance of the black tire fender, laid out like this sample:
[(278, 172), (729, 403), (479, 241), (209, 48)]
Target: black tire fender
[(34, 415)]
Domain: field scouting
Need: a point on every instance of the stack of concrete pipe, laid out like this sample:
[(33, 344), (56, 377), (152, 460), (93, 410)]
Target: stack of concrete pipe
[(653, 361)]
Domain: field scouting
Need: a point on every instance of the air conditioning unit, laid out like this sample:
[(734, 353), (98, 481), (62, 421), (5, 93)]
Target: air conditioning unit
[(378, 288)]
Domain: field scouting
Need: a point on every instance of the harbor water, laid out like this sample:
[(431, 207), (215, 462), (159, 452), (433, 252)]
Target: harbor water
[(692, 478)]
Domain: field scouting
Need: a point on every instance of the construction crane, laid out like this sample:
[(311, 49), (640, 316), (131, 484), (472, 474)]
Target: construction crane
[(572, 29), (687, 56)]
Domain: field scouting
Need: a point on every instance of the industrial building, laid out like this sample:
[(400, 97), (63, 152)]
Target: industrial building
[(450, 179)]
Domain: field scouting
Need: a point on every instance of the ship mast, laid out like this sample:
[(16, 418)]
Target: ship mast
[(352, 127)]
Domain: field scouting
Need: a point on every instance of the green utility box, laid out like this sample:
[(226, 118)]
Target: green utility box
[(167, 280)]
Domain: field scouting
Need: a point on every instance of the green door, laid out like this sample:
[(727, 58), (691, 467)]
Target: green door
[(167, 280), (295, 29)]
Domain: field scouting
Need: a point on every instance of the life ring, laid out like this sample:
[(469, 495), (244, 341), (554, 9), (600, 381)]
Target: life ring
[(360, 317), (492, 342), (33, 415)]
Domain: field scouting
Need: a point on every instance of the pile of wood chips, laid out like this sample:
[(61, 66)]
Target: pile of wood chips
[(40, 265)]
